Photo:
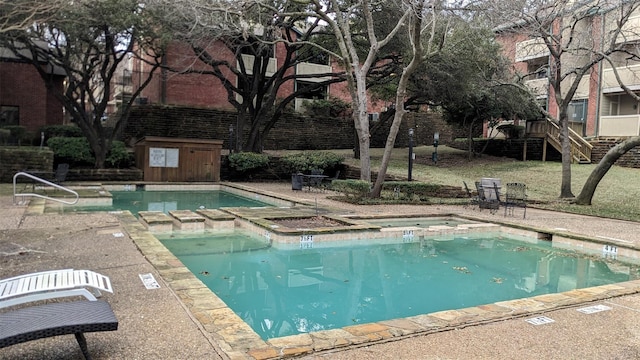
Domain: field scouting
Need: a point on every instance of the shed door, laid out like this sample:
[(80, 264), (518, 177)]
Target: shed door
[(200, 165)]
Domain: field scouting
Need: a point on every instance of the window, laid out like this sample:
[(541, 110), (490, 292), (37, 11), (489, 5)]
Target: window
[(313, 55), (577, 110), (9, 115), (538, 68), (543, 103), (318, 92), (258, 48)]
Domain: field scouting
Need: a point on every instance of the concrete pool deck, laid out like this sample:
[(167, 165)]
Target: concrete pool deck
[(180, 321)]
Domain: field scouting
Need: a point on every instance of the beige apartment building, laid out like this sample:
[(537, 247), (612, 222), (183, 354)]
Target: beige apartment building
[(600, 107)]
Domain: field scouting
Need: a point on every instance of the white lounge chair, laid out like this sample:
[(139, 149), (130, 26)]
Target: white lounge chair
[(52, 284)]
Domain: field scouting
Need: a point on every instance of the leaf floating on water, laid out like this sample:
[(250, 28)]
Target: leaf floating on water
[(497, 280), (462, 269)]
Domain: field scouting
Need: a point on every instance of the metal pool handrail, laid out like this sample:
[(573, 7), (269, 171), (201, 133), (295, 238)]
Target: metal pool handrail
[(49, 183)]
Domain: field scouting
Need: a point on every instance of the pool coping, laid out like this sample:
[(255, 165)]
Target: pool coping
[(239, 341)]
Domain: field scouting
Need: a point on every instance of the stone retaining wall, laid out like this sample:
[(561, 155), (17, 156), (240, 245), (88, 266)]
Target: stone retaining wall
[(291, 132), (511, 148), (102, 175), (601, 146), (20, 158)]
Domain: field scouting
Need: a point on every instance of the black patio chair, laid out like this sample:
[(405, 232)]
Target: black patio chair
[(485, 202), (315, 181), (473, 199), (516, 196), (61, 173), (326, 182)]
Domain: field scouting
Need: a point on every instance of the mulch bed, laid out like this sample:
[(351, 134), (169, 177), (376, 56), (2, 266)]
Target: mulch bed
[(308, 222)]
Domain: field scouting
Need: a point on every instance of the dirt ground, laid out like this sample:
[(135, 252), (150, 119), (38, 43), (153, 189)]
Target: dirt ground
[(308, 222)]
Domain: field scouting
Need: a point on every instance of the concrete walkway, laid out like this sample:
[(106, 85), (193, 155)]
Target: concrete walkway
[(157, 323)]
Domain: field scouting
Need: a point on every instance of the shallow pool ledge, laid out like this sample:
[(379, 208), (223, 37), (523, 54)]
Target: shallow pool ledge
[(239, 341)]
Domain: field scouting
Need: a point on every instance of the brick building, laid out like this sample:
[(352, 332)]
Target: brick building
[(24, 98), (201, 90), (600, 107)]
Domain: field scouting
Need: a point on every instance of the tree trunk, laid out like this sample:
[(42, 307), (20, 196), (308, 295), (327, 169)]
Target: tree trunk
[(470, 147), (365, 156), (361, 120), (386, 157), (239, 131), (589, 188), (565, 185), (356, 145), (401, 93), (100, 147)]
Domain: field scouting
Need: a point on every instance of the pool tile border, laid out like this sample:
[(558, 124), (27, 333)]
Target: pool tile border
[(239, 341)]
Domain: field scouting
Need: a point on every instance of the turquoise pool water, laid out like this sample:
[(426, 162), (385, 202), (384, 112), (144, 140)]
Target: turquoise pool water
[(166, 201), (281, 292)]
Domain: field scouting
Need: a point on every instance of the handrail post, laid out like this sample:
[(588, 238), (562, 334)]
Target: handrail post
[(35, 178)]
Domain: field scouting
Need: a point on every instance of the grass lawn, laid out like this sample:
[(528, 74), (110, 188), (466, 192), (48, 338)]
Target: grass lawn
[(616, 196)]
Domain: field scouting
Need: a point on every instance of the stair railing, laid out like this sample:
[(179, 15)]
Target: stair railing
[(580, 148)]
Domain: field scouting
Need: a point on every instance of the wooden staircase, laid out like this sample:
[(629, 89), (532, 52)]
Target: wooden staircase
[(550, 131)]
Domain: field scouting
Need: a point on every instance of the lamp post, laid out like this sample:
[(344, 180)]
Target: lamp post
[(230, 138), (436, 140), (410, 153)]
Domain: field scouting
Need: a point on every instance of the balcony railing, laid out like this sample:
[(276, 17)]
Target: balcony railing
[(272, 67), (531, 49), (620, 125), (540, 87), (630, 30), (630, 76), (307, 68)]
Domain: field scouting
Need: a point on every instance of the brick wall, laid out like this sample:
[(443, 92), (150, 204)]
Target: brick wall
[(293, 132), (22, 86)]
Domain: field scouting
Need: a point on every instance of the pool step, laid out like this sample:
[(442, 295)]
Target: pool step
[(156, 221), (187, 220), (216, 219)]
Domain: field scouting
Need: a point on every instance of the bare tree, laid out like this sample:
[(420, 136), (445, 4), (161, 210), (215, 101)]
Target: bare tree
[(576, 41), (18, 15), (357, 60), (254, 50), (607, 161), (424, 18), (87, 41)]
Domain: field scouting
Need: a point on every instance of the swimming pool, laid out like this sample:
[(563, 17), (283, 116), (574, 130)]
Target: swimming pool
[(168, 200), (291, 289)]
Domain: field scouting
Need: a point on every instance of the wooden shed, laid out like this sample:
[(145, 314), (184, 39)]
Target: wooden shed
[(175, 159)]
